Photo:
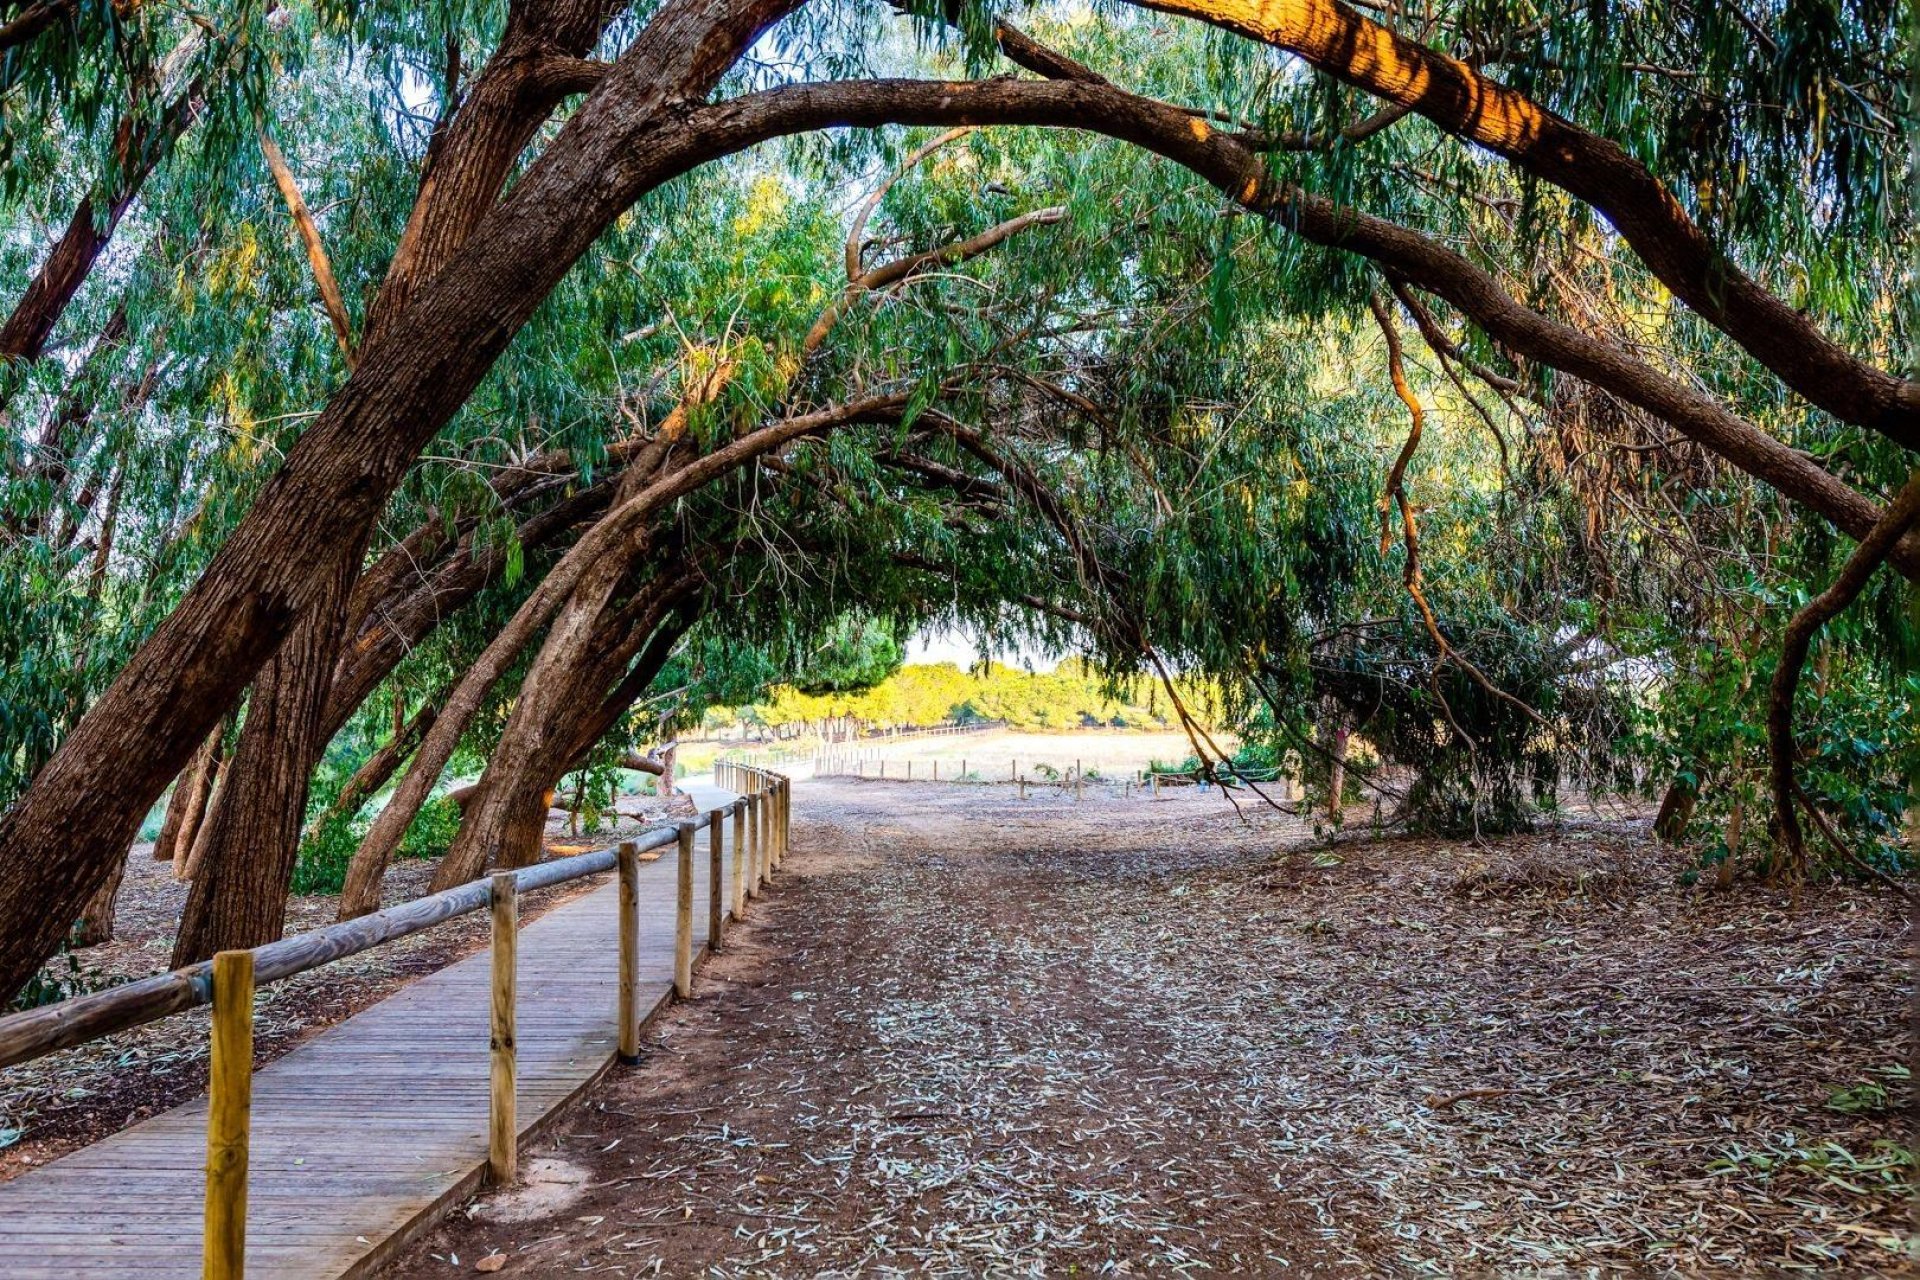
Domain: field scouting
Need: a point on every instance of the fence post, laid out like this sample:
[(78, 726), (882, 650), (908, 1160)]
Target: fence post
[(739, 861), (751, 813), (229, 1114), (762, 838), (763, 832), (1154, 779), (503, 1138), (716, 881), (629, 952), (683, 916), (786, 816), (774, 852)]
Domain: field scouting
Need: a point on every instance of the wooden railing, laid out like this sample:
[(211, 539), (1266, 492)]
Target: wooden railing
[(228, 982)]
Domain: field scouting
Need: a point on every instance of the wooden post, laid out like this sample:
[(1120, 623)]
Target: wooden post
[(1023, 788), (778, 845), (229, 1114), (1154, 779), (763, 832), (752, 804), (503, 1138), (739, 862), (683, 917), (763, 836), (909, 771), (629, 1030), (716, 882)]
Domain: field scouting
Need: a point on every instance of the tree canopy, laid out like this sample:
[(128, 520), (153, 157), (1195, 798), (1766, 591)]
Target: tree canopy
[(494, 387)]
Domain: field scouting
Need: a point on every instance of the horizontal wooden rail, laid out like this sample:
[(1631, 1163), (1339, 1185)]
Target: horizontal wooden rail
[(37, 1032)]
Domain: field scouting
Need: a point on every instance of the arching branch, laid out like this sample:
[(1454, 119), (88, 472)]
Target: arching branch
[(1845, 588)]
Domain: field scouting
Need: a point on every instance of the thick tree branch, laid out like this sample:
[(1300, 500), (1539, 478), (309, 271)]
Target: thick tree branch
[(1801, 630), (1368, 55)]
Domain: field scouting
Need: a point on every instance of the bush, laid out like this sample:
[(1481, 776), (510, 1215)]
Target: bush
[(322, 863), (432, 831)]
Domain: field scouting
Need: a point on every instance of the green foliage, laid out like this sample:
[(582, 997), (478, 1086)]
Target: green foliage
[(432, 830), (321, 866)]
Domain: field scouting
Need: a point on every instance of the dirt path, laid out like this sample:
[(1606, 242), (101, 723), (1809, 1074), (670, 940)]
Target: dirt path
[(970, 1036)]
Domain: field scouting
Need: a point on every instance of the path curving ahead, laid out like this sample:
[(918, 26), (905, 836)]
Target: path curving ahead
[(364, 1133)]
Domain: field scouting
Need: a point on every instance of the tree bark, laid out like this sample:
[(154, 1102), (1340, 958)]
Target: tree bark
[(317, 260), (177, 843), (1676, 810), (239, 893), (1337, 766), (96, 920), (559, 714)]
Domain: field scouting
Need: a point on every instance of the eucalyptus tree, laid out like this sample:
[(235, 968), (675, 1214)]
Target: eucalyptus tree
[(1776, 147)]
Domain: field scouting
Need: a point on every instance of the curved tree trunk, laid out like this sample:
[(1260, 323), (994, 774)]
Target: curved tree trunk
[(96, 922), (239, 894), (193, 826), (189, 801), (533, 756), (543, 735)]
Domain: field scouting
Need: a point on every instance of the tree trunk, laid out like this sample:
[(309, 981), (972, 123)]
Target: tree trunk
[(377, 770), (536, 747), (1337, 766), (239, 894), (193, 819), (1676, 810), (319, 510), (192, 849), (534, 754), (96, 921), (189, 797)]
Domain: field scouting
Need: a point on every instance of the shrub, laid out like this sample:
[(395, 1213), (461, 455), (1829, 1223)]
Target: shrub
[(432, 831)]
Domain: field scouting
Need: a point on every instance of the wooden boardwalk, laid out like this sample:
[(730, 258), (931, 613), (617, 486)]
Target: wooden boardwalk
[(366, 1131)]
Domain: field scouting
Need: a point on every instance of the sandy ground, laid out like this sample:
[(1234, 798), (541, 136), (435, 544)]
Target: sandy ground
[(997, 755), (51, 1106), (970, 1036)]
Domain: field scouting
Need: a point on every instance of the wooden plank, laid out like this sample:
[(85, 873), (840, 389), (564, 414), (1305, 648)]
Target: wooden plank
[(361, 1136)]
